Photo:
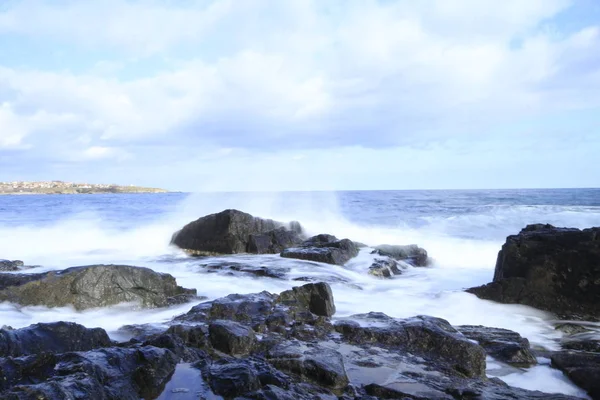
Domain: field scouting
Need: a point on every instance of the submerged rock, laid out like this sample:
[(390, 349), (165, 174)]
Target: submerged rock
[(411, 253), (553, 269), (502, 344), (94, 286), (55, 337), (323, 248), (233, 232)]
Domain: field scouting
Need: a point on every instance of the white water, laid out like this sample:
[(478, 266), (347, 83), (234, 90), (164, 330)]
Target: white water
[(438, 290)]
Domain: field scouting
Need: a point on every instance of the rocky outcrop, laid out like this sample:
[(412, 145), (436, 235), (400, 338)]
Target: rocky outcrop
[(56, 337), (323, 248), (233, 232), (94, 286), (257, 346), (111, 373), (411, 253), (7, 265), (553, 269), (502, 344), (583, 368)]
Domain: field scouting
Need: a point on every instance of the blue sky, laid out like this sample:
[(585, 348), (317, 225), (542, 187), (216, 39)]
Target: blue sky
[(205, 95)]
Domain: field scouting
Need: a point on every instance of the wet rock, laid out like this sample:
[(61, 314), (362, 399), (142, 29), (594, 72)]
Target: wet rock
[(56, 337), (323, 248), (502, 344), (233, 379), (553, 269), (583, 368), (385, 268), (315, 297), (406, 390), (277, 272), (177, 346), (411, 253), (249, 308), (428, 337), (231, 337), (233, 231), (193, 336), (315, 363), (96, 286), (7, 265), (113, 373)]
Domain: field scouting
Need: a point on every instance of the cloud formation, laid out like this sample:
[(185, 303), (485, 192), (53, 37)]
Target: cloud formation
[(120, 81)]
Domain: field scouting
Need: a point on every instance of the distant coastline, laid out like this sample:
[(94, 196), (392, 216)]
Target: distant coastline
[(60, 187)]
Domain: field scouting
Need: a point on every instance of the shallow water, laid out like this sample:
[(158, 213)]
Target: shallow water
[(462, 231)]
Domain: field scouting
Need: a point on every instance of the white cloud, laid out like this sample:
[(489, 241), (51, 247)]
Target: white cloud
[(290, 75)]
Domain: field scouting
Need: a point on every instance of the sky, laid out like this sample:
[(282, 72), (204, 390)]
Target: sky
[(228, 95)]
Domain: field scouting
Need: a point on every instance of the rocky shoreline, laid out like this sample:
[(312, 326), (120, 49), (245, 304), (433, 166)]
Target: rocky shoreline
[(291, 345), (60, 187)]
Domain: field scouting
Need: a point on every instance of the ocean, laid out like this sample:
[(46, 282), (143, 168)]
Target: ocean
[(462, 230)]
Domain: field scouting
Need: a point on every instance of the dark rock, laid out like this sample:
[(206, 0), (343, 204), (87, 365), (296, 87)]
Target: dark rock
[(323, 248), (233, 231), (250, 308), (231, 337), (411, 253), (233, 379), (113, 373), (502, 344), (582, 368), (56, 337), (429, 337), (553, 269), (95, 286), (385, 268), (277, 272), (177, 345), (406, 390), (7, 265), (193, 336), (315, 297), (315, 363)]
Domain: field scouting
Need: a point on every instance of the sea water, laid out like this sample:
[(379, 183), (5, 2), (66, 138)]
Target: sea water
[(461, 230)]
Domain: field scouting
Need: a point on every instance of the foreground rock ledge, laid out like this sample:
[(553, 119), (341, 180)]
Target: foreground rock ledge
[(553, 269), (234, 232), (258, 346), (94, 286)]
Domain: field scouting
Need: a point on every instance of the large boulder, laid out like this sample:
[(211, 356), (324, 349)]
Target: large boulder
[(553, 269), (94, 286), (56, 337), (233, 232), (323, 248), (411, 253)]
